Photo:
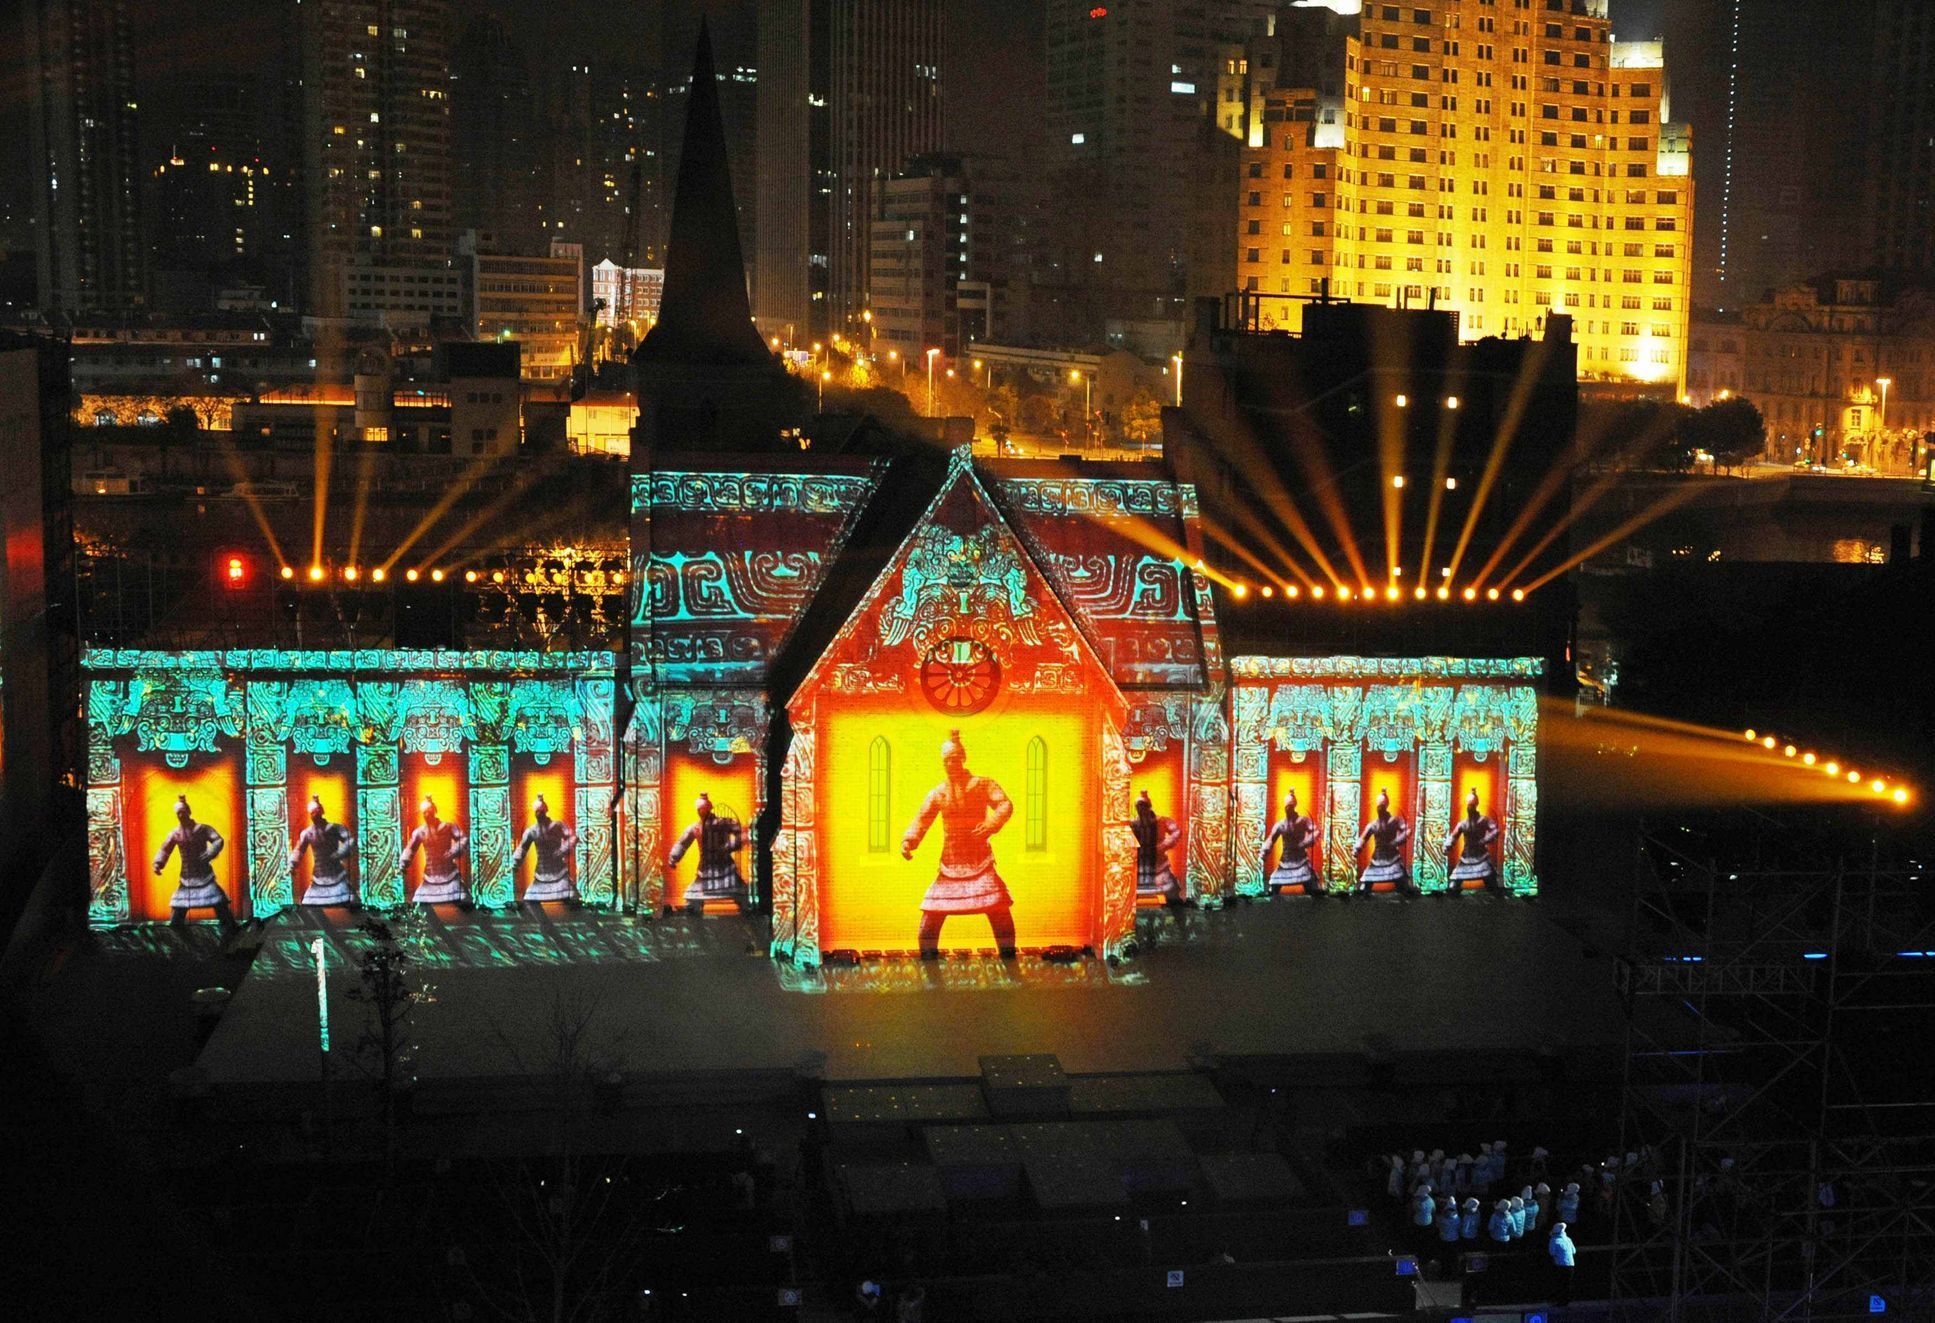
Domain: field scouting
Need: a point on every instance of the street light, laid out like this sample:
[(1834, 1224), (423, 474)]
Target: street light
[(1076, 374), (1177, 360), (1881, 418), (825, 376), (932, 354)]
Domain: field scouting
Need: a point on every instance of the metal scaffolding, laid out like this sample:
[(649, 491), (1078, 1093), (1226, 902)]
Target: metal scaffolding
[(1780, 987)]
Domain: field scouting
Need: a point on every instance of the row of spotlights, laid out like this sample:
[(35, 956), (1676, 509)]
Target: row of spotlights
[(350, 574), (1391, 593), (1878, 785)]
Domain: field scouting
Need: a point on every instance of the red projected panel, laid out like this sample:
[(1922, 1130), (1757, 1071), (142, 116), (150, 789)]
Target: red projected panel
[(1306, 778), (528, 781), (149, 788), (877, 765), (1161, 774), (336, 786), (733, 789), (1398, 779), (1468, 775), (443, 781)]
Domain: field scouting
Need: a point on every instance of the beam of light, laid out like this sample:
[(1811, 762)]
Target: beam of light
[(1440, 470), (1242, 551), (325, 449), (503, 502), (454, 493), (240, 476), (364, 470), (1287, 564), (1584, 501), (1549, 486), (1393, 420), (1672, 501), (1530, 370), (1246, 456), (1600, 757)]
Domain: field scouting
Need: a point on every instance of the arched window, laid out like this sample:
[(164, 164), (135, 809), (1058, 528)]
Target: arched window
[(880, 766), (1034, 804)]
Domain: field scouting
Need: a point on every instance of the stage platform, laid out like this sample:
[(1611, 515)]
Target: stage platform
[(1356, 984)]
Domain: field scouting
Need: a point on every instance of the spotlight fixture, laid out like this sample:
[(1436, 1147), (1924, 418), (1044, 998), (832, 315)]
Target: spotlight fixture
[(436, 576), (1854, 778), (1491, 594), (1418, 592), (1241, 591), (1518, 594), (1768, 742), (1292, 591), (1444, 593), (1402, 401), (411, 575), (1451, 401), (497, 576), (1451, 484), (379, 574), (1317, 591), (1790, 751), (1900, 796), (1752, 734), (1808, 758), (1471, 594), (1268, 591), (349, 573), (315, 573), (1877, 785), (1832, 769), (470, 576), (1397, 480), (1391, 593), (288, 571), (1343, 593)]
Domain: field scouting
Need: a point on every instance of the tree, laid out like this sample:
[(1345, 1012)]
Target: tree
[(387, 984), (1731, 430), (1142, 420)]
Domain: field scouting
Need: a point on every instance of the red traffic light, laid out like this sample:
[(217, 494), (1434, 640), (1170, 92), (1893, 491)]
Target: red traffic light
[(235, 572)]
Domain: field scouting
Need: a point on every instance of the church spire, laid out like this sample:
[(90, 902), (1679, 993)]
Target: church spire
[(704, 316)]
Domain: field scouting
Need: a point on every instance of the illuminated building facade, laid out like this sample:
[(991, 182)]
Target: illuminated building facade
[(536, 300), (850, 92), (1812, 358), (622, 294), (376, 135), (83, 128), (1503, 162)]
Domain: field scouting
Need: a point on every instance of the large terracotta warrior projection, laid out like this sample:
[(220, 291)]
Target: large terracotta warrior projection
[(1476, 860), (1298, 834), (718, 838), (329, 846), (1386, 834), (1155, 837), (443, 845), (971, 810), (199, 845), (554, 842)]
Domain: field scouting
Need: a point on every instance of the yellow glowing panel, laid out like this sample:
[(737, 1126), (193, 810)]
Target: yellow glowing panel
[(732, 789), (214, 793), (1307, 779), (1470, 775), (444, 782), (870, 899), (528, 781), (335, 785)]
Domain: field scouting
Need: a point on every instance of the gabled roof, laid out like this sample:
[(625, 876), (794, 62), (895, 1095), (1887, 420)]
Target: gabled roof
[(962, 572)]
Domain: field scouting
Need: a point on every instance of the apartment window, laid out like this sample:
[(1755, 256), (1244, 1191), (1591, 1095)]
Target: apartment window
[(879, 795), (1035, 796)]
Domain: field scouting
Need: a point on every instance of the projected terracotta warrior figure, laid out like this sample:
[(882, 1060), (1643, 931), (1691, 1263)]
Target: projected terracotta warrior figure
[(1154, 838), (200, 845), (1476, 859), (971, 809), (1386, 834), (329, 845), (718, 876), (555, 843), (443, 845), (1298, 834)]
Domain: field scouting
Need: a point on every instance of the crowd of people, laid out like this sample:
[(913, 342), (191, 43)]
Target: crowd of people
[(1495, 1202)]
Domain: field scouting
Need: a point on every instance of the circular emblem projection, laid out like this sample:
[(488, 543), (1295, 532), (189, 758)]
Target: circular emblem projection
[(960, 677)]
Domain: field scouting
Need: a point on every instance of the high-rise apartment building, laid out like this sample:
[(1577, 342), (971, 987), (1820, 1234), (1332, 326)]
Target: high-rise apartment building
[(1901, 138), (950, 255), (82, 122), (1145, 103), (850, 91), (538, 301), (1504, 161), (377, 134)]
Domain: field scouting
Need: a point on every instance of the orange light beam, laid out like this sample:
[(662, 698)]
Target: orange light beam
[(1244, 553), (325, 447), (233, 462), (1581, 503), (1658, 509), (1549, 487), (1246, 456), (1440, 468), (1515, 407), (512, 493), (363, 473), (1254, 524), (458, 489)]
